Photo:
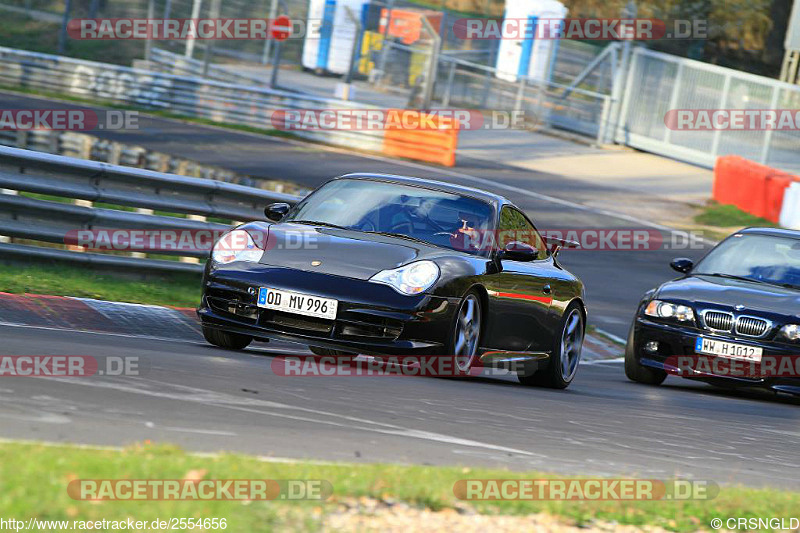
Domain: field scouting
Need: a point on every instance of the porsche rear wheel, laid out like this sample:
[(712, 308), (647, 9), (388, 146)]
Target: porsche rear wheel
[(226, 340), (465, 336), (566, 354)]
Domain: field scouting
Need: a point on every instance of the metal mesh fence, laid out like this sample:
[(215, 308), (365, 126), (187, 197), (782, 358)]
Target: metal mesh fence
[(658, 83)]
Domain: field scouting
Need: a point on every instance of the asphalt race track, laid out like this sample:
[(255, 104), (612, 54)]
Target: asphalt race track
[(207, 399)]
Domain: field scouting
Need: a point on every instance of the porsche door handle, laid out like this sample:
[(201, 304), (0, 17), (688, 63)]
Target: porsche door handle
[(546, 289)]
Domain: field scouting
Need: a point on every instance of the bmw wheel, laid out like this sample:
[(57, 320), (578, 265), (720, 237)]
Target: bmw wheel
[(635, 371)]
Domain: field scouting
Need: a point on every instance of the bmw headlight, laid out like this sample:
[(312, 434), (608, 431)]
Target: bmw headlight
[(660, 309), (791, 332), (236, 245), (412, 278)]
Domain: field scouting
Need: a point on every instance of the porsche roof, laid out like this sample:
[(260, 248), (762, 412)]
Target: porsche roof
[(495, 199)]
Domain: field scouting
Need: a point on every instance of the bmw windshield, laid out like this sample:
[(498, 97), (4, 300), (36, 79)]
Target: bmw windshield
[(753, 257), (429, 215)]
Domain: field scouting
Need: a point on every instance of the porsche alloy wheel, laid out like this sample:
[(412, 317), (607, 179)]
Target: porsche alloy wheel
[(467, 332), (565, 356)]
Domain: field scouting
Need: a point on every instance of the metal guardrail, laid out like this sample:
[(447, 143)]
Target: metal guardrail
[(190, 96), (50, 221), (171, 63)]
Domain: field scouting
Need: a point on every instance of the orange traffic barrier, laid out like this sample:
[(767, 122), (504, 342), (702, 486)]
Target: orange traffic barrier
[(430, 138), (750, 186)]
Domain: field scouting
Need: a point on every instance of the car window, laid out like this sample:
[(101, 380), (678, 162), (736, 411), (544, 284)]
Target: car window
[(434, 216), (766, 258), (514, 226)]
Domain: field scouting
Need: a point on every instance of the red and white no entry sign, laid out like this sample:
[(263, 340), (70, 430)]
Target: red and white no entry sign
[(280, 28)]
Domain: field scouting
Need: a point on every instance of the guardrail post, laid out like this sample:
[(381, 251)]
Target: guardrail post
[(520, 94), (22, 138), (142, 211), (449, 88), (199, 218), (5, 238)]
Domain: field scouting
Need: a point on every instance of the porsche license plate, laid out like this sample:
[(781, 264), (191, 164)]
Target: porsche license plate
[(298, 303), (728, 349)]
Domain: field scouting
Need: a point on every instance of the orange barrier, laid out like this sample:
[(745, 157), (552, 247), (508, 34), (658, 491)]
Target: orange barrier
[(750, 186), (434, 144)]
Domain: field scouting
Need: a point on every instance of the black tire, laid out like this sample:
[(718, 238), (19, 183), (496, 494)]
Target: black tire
[(341, 357), (557, 374), (226, 340), (635, 371), (470, 326)]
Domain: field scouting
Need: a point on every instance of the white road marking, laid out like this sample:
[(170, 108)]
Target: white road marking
[(227, 401), (611, 336), (107, 333), (614, 361)]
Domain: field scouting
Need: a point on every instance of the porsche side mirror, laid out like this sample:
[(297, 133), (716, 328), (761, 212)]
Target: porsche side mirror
[(518, 251), (682, 265), (276, 211)]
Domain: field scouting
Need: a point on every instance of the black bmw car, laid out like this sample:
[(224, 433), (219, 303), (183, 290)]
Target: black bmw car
[(386, 265), (733, 319)]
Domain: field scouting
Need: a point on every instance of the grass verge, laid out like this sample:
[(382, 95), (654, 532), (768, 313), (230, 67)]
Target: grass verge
[(717, 221), (729, 216), (35, 478), (179, 290)]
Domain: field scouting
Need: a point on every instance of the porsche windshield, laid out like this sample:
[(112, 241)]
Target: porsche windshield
[(764, 258), (436, 217)]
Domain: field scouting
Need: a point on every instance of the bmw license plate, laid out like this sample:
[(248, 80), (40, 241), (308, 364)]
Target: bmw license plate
[(728, 350), (298, 303)]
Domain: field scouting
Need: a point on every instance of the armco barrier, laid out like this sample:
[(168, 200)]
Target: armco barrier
[(790, 213), (425, 144), (50, 221), (750, 186), (218, 101)]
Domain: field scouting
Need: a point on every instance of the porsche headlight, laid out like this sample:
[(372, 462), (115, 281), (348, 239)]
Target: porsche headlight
[(412, 278), (236, 245), (791, 332), (659, 309)]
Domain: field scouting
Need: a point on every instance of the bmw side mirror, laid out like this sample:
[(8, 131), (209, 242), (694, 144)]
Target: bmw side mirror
[(518, 251), (276, 211), (682, 265)]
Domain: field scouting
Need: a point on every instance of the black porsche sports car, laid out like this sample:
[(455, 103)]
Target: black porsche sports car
[(733, 319), (386, 265)]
